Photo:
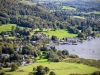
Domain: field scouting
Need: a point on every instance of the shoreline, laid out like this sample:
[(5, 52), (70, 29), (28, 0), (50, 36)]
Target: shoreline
[(90, 49)]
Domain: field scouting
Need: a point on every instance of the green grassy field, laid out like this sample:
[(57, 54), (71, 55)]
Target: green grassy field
[(68, 8), (6, 27), (60, 33), (60, 68), (32, 33)]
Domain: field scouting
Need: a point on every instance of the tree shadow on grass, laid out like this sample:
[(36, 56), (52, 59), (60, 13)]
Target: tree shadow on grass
[(31, 73), (8, 70)]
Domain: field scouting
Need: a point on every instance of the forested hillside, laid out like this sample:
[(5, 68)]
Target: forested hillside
[(28, 16), (84, 20), (81, 15)]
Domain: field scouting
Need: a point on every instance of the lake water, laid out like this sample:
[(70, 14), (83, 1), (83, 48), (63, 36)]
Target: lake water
[(88, 49)]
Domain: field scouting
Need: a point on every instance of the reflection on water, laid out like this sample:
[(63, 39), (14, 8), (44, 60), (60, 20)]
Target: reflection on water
[(88, 49)]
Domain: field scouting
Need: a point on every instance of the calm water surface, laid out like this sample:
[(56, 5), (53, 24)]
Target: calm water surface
[(88, 49)]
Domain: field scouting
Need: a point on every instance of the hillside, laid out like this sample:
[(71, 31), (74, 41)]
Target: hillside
[(60, 68), (49, 33), (24, 15), (74, 16)]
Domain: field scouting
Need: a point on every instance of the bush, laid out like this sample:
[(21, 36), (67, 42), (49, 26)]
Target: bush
[(52, 73), (96, 73), (73, 56), (1, 68), (7, 64), (78, 62), (41, 70), (2, 73), (46, 69), (34, 69), (53, 57), (14, 67)]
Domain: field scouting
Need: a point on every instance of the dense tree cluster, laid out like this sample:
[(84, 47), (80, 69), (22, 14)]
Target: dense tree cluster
[(52, 73), (13, 52), (41, 70), (53, 54), (54, 38), (24, 15)]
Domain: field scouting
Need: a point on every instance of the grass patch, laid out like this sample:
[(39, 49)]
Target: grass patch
[(11, 37), (32, 33), (79, 17), (42, 61), (68, 8), (37, 29), (60, 33), (95, 12), (60, 68), (6, 27), (28, 2)]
